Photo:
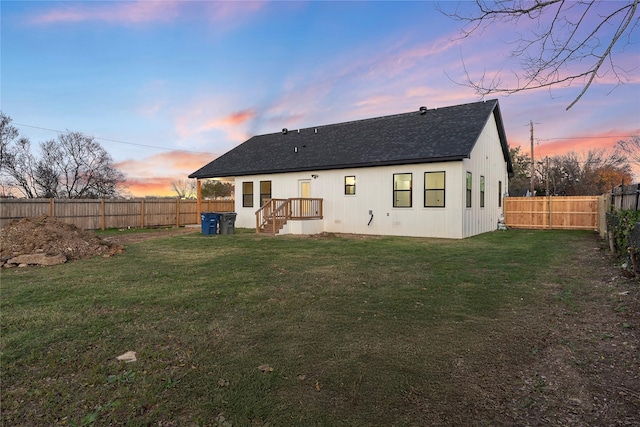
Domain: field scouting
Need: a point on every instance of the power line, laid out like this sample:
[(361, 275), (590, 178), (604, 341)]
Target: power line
[(585, 137), (115, 140)]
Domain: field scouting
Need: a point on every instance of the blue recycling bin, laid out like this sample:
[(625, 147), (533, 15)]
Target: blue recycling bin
[(209, 222)]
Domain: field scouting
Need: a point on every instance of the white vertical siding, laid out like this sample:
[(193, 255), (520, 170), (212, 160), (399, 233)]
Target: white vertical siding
[(374, 192), (486, 160)]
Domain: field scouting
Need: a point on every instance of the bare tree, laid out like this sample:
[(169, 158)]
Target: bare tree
[(72, 166), (83, 168), (17, 164), (184, 189), (46, 180), (630, 148), (569, 41)]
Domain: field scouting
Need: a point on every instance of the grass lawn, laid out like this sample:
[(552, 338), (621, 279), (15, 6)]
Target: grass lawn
[(246, 330)]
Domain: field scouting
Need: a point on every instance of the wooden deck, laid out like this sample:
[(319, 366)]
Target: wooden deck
[(274, 214)]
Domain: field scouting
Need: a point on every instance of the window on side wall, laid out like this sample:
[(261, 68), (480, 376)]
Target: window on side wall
[(469, 189), (247, 194), (434, 189), (499, 194), (350, 185), (402, 190), (481, 191), (265, 192)]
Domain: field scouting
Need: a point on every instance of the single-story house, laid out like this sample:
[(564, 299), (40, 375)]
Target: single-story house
[(438, 172)]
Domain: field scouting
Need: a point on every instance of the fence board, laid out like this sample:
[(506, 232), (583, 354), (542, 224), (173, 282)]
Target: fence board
[(555, 212), (626, 197), (93, 214)]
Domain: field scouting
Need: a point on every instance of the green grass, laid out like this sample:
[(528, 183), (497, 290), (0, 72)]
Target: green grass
[(358, 331)]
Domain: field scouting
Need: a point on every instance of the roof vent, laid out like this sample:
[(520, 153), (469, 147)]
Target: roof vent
[(284, 131), (423, 110), (315, 130)]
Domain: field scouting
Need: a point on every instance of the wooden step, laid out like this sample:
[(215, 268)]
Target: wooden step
[(268, 227)]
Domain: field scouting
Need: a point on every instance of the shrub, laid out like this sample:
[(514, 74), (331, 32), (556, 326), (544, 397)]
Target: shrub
[(624, 225)]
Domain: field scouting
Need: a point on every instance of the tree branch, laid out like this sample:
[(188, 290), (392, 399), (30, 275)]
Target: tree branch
[(565, 39)]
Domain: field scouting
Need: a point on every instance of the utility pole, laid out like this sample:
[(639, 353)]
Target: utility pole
[(547, 175), (533, 165)]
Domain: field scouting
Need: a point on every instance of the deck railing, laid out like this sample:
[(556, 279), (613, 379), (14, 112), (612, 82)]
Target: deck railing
[(275, 213)]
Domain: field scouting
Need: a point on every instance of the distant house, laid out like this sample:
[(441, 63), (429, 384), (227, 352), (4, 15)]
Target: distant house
[(428, 173)]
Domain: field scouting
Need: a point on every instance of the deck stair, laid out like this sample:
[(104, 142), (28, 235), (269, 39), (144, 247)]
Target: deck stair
[(274, 213)]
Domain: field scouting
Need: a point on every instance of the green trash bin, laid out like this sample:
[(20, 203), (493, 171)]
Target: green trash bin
[(209, 222), (228, 222)]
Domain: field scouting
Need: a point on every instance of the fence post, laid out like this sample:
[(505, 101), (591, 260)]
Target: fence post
[(549, 212), (637, 196), (612, 206), (102, 215), (52, 208), (178, 212), (142, 214)]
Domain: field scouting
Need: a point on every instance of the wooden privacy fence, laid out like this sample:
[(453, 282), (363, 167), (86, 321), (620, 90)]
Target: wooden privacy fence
[(555, 212), (93, 214), (626, 197)]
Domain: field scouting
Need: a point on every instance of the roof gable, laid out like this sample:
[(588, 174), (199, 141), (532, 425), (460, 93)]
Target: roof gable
[(436, 135)]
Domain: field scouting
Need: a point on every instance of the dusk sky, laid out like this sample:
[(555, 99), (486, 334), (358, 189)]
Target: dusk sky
[(167, 86)]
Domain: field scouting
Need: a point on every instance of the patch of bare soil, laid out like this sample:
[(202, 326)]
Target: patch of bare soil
[(574, 361), (48, 236), (586, 370), (330, 236)]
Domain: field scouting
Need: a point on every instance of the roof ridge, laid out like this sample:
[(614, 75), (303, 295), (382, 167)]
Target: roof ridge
[(350, 122)]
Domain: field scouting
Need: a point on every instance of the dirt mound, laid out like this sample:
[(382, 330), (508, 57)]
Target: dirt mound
[(47, 235)]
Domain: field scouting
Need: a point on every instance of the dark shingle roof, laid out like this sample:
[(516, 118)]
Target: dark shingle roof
[(442, 134)]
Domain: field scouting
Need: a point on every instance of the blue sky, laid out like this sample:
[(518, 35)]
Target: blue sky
[(166, 86)]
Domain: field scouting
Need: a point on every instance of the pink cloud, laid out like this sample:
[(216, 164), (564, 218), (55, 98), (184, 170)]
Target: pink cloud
[(183, 160), (180, 162), (196, 121), (373, 101), (144, 11), (158, 186), (230, 11), (233, 119), (152, 176), (118, 12), (297, 103), (498, 41), (606, 140)]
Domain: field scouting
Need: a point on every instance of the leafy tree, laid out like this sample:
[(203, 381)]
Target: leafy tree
[(213, 189), (72, 166), (569, 41), (520, 182), (590, 175)]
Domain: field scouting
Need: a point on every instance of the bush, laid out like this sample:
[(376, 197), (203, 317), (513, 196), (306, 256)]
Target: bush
[(625, 226)]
